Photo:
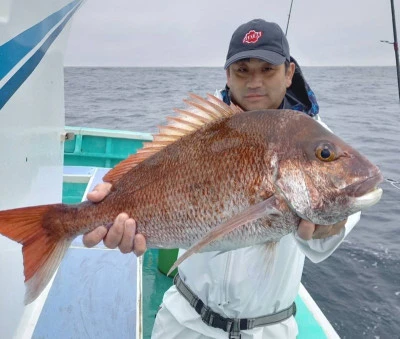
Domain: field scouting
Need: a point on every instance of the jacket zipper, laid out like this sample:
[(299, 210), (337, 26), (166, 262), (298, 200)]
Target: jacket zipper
[(226, 275)]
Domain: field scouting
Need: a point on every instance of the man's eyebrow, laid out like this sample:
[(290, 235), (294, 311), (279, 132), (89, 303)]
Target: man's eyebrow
[(242, 61)]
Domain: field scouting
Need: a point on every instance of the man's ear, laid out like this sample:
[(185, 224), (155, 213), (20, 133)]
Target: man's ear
[(289, 74), (228, 76)]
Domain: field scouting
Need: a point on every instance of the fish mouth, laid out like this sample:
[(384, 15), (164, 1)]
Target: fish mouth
[(365, 193), (368, 199), (364, 187)]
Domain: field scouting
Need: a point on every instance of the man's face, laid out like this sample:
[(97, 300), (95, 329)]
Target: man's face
[(255, 84)]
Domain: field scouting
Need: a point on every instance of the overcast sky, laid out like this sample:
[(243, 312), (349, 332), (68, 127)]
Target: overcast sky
[(197, 32)]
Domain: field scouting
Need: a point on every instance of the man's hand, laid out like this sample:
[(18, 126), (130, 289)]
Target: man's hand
[(121, 233), (307, 230)]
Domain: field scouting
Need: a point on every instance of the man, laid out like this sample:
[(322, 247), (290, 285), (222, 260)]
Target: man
[(212, 289)]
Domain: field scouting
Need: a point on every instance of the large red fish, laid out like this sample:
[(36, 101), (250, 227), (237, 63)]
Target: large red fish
[(215, 178)]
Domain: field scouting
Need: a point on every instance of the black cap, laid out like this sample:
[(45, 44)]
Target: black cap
[(258, 39)]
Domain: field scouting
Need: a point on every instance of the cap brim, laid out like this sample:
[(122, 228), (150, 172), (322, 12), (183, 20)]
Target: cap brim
[(268, 56)]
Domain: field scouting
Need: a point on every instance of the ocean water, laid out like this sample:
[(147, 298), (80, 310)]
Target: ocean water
[(358, 286)]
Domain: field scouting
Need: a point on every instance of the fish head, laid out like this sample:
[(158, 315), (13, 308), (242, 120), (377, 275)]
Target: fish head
[(325, 180)]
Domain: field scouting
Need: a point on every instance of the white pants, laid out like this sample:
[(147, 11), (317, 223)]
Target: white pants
[(185, 323)]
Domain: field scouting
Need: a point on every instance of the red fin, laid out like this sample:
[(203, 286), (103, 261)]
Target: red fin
[(42, 252), (262, 209), (201, 112)]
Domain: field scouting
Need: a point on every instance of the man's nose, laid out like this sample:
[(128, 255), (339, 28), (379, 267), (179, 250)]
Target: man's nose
[(255, 81)]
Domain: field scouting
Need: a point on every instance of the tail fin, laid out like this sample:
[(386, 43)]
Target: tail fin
[(42, 250)]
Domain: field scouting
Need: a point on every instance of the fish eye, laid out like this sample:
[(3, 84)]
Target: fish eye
[(325, 153)]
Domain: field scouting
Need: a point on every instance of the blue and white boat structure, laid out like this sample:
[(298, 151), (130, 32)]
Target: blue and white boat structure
[(96, 292), (32, 42)]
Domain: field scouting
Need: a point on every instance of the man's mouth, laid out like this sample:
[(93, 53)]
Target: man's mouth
[(254, 96)]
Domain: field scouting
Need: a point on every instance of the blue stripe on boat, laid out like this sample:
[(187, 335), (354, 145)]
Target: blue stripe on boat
[(12, 85), (14, 51)]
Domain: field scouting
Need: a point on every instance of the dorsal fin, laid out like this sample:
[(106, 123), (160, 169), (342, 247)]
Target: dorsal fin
[(200, 112)]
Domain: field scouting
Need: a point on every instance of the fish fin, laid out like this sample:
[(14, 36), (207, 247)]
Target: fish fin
[(269, 246), (219, 253), (254, 212), (200, 112), (267, 263), (42, 252)]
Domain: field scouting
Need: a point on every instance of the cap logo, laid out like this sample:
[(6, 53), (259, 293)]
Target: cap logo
[(252, 37)]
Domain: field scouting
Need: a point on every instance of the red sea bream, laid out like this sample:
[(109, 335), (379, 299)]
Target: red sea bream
[(214, 179)]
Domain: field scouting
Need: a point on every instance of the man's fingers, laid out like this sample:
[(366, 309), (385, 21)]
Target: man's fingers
[(99, 192), (306, 229), (94, 237), (132, 241), (121, 234), (323, 231), (114, 235), (139, 245), (126, 244)]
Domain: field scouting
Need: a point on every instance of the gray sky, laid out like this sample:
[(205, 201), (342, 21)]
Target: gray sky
[(197, 33)]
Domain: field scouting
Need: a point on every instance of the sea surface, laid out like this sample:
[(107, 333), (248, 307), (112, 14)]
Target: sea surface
[(358, 286)]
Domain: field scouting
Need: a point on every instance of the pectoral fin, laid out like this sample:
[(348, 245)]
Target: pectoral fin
[(254, 212)]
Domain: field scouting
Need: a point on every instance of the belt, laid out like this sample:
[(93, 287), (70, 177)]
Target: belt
[(232, 326)]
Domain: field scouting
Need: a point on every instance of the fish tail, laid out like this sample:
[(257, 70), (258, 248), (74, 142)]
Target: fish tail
[(42, 250)]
